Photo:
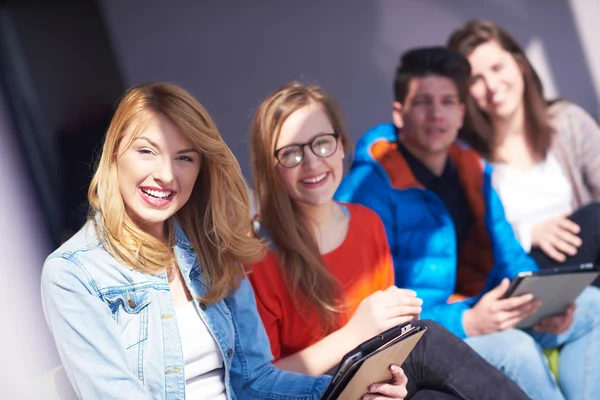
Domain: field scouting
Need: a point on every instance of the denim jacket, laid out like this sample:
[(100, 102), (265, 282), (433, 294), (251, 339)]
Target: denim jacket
[(117, 335)]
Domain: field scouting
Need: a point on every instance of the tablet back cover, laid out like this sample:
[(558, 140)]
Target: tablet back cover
[(375, 368)]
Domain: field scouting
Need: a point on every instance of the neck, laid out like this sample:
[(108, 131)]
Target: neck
[(435, 162), (329, 225), (322, 215), (509, 126), (159, 231)]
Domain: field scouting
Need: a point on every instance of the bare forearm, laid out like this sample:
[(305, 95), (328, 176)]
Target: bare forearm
[(322, 356)]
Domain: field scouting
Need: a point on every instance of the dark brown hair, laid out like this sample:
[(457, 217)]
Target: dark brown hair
[(478, 131), (427, 61), (307, 277)]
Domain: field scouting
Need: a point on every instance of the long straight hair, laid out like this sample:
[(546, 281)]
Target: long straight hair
[(307, 277), (216, 218), (478, 131)]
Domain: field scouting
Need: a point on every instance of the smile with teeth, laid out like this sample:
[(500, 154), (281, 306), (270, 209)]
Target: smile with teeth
[(316, 179), (157, 194)]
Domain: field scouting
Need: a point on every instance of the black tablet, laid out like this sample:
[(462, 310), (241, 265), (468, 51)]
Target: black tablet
[(556, 288), (369, 362)]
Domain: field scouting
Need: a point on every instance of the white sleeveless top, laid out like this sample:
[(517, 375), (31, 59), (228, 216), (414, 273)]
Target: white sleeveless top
[(203, 360), (533, 196)]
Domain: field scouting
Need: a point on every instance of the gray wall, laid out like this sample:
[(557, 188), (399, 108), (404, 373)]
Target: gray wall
[(231, 54)]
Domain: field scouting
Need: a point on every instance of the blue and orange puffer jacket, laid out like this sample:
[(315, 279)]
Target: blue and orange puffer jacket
[(420, 230)]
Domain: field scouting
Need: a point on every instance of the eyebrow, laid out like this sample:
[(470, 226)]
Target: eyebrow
[(147, 140), (190, 150), (311, 139), (428, 95)]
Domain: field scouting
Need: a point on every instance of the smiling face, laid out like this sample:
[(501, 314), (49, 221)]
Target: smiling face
[(315, 180), (497, 81), (157, 172), (430, 116)]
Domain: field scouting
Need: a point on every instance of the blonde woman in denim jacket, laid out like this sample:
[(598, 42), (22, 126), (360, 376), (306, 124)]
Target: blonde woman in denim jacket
[(149, 299)]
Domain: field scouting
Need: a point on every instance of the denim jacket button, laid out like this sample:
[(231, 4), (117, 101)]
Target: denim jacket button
[(203, 306), (131, 303), (229, 353)]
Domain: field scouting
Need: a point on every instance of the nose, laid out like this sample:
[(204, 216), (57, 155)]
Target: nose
[(435, 110), (310, 159), (491, 83), (164, 172)]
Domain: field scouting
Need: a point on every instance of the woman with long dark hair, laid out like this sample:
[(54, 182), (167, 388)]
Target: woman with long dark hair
[(546, 159), (546, 154)]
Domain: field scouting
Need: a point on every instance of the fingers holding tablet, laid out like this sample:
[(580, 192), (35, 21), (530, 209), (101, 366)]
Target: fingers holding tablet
[(494, 312), (394, 389), (556, 324), (556, 289)]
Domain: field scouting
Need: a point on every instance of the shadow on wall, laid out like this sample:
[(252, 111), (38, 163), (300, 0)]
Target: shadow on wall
[(561, 61), (232, 57)]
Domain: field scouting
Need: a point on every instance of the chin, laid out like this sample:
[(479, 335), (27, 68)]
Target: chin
[(439, 147), (316, 200), (154, 218), (504, 110)]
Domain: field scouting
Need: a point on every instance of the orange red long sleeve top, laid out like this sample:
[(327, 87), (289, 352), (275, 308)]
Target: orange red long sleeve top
[(362, 264)]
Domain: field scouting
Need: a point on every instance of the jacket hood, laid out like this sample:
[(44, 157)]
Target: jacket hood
[(362, 152)]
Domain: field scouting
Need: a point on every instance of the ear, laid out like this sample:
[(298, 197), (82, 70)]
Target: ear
[(397, 114)]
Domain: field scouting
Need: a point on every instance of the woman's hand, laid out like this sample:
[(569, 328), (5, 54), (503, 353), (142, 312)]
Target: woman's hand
[(557, 237), (394, 389), (383, 310)]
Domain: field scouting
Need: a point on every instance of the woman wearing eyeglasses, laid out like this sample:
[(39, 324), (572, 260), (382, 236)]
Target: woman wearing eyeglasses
[(326, 284)]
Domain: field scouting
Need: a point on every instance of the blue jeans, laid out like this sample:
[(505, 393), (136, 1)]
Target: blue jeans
[(519, 354)]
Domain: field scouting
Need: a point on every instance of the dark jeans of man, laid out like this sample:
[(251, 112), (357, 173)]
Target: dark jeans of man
[(442, 366), (588, 219)]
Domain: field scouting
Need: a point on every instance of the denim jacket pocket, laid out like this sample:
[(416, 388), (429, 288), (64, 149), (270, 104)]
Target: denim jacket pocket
[(129, 309)]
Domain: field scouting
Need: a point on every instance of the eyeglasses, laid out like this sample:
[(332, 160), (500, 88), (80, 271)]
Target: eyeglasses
[(322, 146)]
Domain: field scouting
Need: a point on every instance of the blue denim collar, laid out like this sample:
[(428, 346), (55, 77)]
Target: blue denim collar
[(187, 259), (184, 252), (181, 238)]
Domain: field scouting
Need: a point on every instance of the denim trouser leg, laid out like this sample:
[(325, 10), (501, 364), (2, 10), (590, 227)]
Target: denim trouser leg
[(518, 355), (579, 368)]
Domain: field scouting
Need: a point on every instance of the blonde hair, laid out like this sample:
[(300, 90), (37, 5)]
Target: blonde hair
[(216, 218), (307, 277)]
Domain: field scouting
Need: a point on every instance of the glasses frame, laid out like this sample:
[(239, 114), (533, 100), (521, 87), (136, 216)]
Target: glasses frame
[(310, 144)]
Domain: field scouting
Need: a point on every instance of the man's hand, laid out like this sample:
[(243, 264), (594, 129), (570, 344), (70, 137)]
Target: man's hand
[(557, 324), (493, 313)]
